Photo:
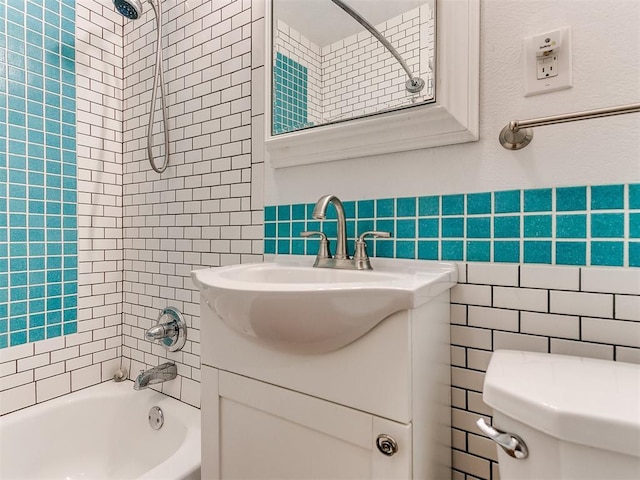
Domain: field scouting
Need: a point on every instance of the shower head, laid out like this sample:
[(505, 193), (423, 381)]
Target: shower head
[(131, 9)]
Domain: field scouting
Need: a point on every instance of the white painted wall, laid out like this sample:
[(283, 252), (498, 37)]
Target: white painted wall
[(606, 72)]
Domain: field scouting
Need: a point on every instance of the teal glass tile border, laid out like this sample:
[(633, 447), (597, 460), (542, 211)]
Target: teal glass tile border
[(38, 191), (575, 225)]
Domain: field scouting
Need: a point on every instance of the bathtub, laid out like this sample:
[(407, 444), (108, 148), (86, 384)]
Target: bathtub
[(101, 432)]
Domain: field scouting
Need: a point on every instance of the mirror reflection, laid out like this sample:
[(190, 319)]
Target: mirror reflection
[(335, 60)]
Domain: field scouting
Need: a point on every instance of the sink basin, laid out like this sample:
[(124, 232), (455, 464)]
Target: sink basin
[(288, 305)]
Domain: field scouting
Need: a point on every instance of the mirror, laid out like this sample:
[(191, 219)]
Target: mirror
[(335, 60), (444, 112)]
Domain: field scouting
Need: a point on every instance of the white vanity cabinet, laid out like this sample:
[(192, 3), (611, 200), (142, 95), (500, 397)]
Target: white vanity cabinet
[(254, 430), (275, 414)]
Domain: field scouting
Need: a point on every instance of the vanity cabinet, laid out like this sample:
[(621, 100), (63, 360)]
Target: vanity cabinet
[(270, 413), (254, 430)]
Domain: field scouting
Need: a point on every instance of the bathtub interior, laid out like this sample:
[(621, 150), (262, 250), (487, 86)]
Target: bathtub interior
[(99, 435)]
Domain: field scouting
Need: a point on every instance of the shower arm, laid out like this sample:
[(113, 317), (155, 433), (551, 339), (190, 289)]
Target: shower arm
[(158, 76), (414, 84)]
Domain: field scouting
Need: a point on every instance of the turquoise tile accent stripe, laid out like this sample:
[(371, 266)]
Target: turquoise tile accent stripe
[(38, 192), (581, 225), (290, 104)]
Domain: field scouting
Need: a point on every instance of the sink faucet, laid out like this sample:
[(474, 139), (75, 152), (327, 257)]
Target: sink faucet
[(159, 374), (320, 213), (360, 260)]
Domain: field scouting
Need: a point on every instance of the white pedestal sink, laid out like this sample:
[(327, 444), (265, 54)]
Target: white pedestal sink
[(306, 371), (290, 306)]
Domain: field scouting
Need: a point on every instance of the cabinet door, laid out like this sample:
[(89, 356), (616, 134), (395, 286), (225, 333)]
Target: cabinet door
[(253, 430)]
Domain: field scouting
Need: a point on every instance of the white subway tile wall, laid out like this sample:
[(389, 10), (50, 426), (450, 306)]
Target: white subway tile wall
[(36, 372), (565, 310), (343, 75), (350, 77), (541, 276), (206, 209), (612, 280)]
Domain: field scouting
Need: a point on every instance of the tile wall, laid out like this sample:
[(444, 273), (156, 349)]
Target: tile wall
[(206, 209), (39, 370), (38, 195), (539, 270), (350, 76), (291, 44), (595, 225), (290, 111), (584, 311)]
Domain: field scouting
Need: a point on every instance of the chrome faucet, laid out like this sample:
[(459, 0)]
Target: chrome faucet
[(360, 260), (320, 213), (159, 374)]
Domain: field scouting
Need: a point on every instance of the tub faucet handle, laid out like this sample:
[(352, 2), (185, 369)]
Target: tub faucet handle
[(170, 331), (160, 331)]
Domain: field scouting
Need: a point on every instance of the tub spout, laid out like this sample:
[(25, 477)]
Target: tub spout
[(159, 374)]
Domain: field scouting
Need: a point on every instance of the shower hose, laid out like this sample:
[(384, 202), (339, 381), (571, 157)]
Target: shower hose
[(158, 77)]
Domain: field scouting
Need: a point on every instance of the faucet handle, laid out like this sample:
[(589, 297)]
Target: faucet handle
[(374, 234), (323, 251), (170, 331), (160, 331), (360, 256)]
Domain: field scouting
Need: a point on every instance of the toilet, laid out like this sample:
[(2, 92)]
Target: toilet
[(562, 417)]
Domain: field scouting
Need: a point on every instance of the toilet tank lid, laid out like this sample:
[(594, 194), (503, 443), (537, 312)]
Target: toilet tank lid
[(581, 400)]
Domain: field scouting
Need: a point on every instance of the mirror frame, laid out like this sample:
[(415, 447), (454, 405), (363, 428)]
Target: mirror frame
[(452, 118)]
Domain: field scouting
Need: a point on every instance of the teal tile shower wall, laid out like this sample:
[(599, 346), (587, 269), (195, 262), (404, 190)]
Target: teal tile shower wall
[(38, 223), (578, 225), (290, 105)]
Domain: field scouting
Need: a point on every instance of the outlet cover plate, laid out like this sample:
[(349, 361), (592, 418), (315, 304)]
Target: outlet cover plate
[(564, 77)]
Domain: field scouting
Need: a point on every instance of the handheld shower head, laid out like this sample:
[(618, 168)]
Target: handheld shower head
[(131, 9)]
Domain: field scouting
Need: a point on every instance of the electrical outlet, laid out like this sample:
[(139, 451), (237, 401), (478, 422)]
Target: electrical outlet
[(547, 62), (547, 66)]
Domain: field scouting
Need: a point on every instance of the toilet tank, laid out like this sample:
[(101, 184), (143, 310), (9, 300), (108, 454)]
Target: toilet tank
[(579, 417)]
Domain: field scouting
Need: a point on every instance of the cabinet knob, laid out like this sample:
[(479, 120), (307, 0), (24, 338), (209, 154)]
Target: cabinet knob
[(387, 445)]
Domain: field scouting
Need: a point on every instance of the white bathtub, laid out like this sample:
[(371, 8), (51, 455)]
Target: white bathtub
[(101, 432)]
